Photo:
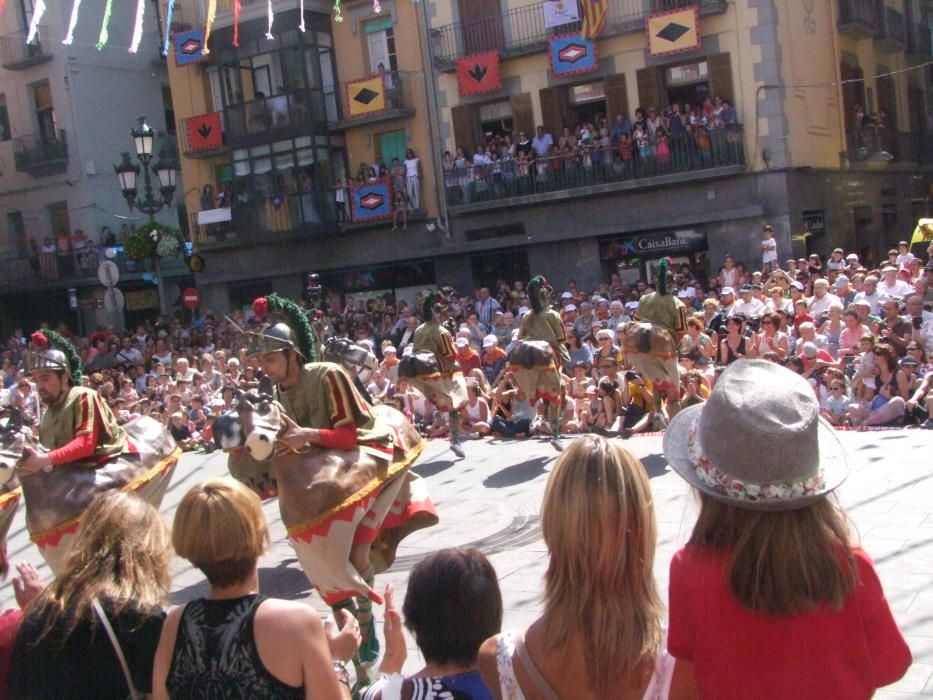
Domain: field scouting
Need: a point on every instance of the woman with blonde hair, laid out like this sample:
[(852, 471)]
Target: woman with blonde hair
[(116, 578), (234, 643), (770, 599), (601, 634)]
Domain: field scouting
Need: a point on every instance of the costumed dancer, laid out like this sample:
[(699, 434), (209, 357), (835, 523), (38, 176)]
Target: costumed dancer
[(433, 369), (537, 359), (84, 451), (651, 342), (335, 513)]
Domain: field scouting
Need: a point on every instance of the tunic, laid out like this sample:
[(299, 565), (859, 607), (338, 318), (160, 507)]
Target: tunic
[(82, 412), (446, 389)]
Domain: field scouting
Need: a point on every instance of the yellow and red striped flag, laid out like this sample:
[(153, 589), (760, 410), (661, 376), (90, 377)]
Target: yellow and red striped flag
[(594, 17)]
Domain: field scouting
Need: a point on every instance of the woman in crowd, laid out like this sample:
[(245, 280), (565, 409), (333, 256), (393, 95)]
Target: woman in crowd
[(832, 327), (118, 569), (888, 402), (769, 598), (579, 352), (598, 523), (770, 338), (453, 603), (852, 331), (735, 345), (605, 351), (234, 643), (476, 418), (697, 345)]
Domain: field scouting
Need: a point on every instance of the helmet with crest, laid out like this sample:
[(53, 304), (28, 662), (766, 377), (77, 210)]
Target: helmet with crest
[(434, 305), (287, 327), (51, 351), (539, 293)]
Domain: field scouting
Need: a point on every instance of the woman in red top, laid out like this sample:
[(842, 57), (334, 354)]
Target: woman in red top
[(769, 599)]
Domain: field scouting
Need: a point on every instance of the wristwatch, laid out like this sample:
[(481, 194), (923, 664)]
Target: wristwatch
[(343, 675)]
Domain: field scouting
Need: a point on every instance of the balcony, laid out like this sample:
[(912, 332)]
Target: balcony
[(286, 115), (41, 154), (876, 148), (399, 104), (891, 36), (521, 30), (16, 54), (590, 172), (858, 18), (202, 135), (919, 47)]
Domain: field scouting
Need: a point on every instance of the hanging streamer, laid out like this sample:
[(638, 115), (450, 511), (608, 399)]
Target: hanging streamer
[(168, 26), (236, 22), (269, 32), (377, 7), (70, 36), (301, 9), (37, 13), (105, 27), (138, 26), (337, 16), (211, 15)]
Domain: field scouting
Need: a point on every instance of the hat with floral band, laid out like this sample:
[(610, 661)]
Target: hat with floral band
[(758, 442)]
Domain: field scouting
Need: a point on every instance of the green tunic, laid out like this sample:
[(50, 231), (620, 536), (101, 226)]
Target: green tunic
[(82, 411), (432, 337), (665, 310), (547, 326)]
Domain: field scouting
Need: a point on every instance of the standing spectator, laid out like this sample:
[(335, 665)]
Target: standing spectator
[(413, 179), (542, 142), (769, 579), (486, 307), (769, 254)]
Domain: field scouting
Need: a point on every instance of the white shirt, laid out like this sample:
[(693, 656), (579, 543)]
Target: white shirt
[(873, 299), (818, 307), (899, 289), (411, 167), (769, 250), (751, 309)]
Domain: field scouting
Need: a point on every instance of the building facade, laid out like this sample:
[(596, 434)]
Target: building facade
[(65, 117), (829, 141)]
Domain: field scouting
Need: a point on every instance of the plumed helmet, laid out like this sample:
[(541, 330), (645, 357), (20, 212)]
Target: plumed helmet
[(274, 338), (288, 328), (434, 304), (51, 351), (536, 285)]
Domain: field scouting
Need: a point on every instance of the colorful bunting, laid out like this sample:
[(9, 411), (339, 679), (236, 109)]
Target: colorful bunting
[(301, 11), (594, 18), (236, 22), (271, 17), (37, 13), (168, 26), (211, 15), (337, 16), (104, 27), (70, 36), (205, 132), (138, 26)]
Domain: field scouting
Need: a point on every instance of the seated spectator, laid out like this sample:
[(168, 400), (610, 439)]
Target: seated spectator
[(594, 486), (118, 568), (467, 356), (494, 358), (452, 604), (475, 414), (770, 573), (234, 642)]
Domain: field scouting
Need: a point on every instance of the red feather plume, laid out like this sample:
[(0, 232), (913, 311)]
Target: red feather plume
[(261, 308), (39, 340)]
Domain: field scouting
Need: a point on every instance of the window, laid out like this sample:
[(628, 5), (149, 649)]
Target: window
[(45, 112), (4, 120), (380, 42), (496, 118), (588, 92), (687, 73)]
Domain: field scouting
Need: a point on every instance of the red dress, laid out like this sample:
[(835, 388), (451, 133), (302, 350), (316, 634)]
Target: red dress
[(9, 624), (741, 654)]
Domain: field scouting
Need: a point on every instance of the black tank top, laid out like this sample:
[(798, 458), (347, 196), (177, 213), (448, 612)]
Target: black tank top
[(215, 655)]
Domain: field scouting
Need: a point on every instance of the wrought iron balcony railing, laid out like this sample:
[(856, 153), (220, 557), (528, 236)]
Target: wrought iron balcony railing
[(858, 19), (41, 154), (16, 54)]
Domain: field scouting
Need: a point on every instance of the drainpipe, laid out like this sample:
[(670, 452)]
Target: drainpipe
[(837, 61)]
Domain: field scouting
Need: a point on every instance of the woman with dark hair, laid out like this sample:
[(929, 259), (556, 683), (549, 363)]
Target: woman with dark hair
[(770, 338), (452, 605), (891, 391), (734, 346), (579, 351)]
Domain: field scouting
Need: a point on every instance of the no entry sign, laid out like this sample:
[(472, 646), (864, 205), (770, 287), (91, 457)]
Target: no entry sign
[(191, 298)]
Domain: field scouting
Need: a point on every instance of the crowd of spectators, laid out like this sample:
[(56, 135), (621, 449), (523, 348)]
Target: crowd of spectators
[(675, 138)]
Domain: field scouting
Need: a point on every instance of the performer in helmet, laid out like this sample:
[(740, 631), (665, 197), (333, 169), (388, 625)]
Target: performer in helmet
[(78, 425), (324, 408), (537, 360), (433, 368), (652, 342)]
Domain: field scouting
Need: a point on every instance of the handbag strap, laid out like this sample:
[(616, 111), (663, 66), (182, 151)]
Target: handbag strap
[(531, 670), (105, 621)]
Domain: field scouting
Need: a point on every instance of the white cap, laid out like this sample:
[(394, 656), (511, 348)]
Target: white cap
[(490, 340), (570, 307), (852, 256), (389, 348), (631, 305), (461, 342), (727, 290), (566, 295), (523, 310), (796, 285)]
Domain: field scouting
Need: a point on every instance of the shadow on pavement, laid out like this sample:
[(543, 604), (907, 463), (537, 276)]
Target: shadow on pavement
[(518, 473), (655, 465), (432, 468)]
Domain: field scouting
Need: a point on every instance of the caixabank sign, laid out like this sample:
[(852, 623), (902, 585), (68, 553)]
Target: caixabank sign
[(653, 244)]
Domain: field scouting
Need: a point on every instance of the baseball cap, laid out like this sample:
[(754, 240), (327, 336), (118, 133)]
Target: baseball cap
[(682, 294), (566, 295), (461, 342), (746, 288), (841, 281), (852, 256), (570, 307), (389, 348), (889, 268), (727, 291), (796, 285), (837, 250), (523, 310), (489, 341)]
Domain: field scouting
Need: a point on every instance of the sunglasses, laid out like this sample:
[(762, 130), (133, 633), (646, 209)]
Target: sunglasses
[(835, 388)]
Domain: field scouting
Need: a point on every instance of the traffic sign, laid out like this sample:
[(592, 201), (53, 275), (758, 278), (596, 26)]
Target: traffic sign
[(108, 273), (114, 302), (191, 298)]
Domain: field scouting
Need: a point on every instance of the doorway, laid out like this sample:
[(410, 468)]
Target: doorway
[(481, 24), (392, 144), (688, 84), (587, 102), (509, 265)]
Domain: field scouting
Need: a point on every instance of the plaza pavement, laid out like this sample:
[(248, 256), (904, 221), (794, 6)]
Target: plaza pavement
[(491, 499)]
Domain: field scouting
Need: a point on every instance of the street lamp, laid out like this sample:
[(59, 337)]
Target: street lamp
[(166, 171)]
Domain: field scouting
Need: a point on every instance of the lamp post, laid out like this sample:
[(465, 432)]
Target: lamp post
[(166, 171)]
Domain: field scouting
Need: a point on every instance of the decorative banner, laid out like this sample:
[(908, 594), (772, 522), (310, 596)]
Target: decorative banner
[(301, 14), (142, 299), (372, 201), (204, 132), (571, 54), (594, 17), (104, 27), (479, 73), (366, 96), (70, 35), (271, 17), (236, 22), (211, 16), (37, 13), (923, 233), (560, 12), (673, 32), (189, 47), (138, 26), (170, 10), (337, 16)]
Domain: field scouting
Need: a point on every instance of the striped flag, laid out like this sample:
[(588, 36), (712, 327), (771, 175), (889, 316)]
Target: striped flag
[(594, 17)]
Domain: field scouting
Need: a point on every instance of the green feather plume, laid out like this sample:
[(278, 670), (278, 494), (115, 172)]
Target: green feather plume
[(295, 317), (59, 342), (533, 288)]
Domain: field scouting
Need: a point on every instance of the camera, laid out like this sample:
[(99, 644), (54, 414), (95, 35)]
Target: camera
[(631, 376)]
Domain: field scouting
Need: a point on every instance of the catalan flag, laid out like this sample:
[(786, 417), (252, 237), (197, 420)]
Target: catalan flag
[(594, 17)]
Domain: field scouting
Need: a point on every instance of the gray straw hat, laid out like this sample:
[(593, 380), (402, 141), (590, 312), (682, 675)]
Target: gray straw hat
[(759, 442)]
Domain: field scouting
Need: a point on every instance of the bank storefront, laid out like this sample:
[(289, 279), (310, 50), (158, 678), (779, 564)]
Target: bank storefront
[(636, 256)]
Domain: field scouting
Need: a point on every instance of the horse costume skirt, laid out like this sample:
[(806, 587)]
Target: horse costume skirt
[(534, 366), (446, 390), (652, 352)]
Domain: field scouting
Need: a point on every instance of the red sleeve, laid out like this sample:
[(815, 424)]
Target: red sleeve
[(680, 626), (343, 438), (890, 654), (87, 433)]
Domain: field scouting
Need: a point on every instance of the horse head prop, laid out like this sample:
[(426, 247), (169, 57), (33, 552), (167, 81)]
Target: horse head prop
[(255, 423), (14, 439), (344, 352)]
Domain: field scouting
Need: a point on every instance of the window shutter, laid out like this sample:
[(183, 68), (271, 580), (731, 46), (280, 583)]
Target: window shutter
[(523, 116), (720, 76), (616, 97), (466, 127), (551, 115), (649, 88)]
